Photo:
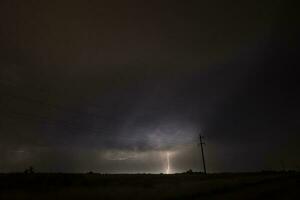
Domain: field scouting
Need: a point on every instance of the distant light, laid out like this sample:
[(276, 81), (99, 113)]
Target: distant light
[(168, 170)]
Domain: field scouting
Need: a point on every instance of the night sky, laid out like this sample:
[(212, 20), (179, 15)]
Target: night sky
[(114, 86)]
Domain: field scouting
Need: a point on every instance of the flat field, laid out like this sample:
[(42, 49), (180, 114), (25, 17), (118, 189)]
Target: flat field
[(43, 186)]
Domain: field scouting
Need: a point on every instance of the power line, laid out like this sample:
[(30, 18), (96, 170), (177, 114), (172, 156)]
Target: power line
[(47, 104), (50, 105), (68, 123)]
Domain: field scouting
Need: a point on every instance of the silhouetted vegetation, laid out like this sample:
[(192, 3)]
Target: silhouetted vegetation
[(29, 170), (188, 185)]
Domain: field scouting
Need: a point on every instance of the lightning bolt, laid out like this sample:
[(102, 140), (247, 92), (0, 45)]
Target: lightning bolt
[(168, 163)]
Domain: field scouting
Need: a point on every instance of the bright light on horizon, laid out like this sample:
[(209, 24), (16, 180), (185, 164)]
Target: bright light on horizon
[(168, 170)]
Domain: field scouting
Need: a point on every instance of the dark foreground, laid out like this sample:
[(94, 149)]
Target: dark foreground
[(144, 186)]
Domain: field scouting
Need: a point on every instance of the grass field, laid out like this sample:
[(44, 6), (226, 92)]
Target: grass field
[(267, 185)]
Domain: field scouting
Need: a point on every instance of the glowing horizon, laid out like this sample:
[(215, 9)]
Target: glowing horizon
[(168, 170)]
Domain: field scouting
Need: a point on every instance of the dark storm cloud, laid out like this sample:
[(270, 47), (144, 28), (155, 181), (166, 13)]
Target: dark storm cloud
[(90, 85), (125, 31)]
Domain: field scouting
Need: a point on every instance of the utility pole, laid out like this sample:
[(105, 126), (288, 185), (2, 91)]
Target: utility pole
[(201, 145)]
